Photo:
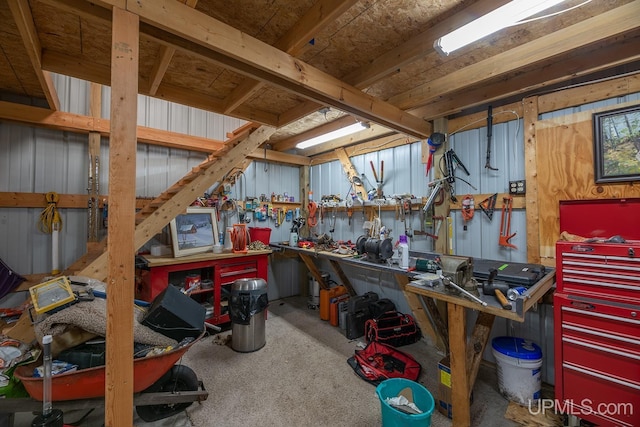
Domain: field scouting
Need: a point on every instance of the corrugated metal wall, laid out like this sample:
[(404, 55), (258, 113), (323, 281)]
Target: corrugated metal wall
[(41, 160)]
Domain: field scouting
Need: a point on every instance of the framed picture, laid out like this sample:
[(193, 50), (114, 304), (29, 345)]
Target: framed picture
[(616, 140), (195, 231)]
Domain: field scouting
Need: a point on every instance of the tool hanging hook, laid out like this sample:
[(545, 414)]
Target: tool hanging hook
[(487, 164)]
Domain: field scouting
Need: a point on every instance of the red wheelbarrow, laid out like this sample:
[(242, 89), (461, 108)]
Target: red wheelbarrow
[(172, 388)]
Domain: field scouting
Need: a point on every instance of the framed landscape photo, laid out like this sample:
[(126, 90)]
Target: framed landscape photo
[(194, 231), (616, 140)]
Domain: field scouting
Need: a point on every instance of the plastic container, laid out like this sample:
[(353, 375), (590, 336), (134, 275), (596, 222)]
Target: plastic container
[(403, 252), (518, 363), (262, 234), (392, 417)]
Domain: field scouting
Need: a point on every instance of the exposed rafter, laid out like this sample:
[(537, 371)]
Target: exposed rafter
[(293, 42), (164, 58), (24, 21), (610, 24), (249, 56)]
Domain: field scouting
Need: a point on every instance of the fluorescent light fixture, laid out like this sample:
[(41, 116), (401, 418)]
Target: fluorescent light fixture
[(348, 130), (503, 17)]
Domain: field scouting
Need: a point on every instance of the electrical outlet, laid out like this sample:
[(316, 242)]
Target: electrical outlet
[(517, 187)]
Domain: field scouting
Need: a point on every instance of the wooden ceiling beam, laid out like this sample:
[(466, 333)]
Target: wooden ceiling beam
[(581, 64), (417, 47), (24, 21), (391, 61), (91, 71), (69, 122), (97, 73), (278, 157), (164, 58), (293, 43), (606, 25), (250, 56)]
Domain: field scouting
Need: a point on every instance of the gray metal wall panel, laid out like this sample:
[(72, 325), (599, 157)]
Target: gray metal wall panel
[(73, 94), (17, 152), (265, 178), (404, 174), (507, 155)]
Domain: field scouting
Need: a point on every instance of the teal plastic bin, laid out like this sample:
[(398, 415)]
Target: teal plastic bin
[(392, 417)]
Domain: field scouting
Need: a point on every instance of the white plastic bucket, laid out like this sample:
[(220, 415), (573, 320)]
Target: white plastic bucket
[(518, 364)]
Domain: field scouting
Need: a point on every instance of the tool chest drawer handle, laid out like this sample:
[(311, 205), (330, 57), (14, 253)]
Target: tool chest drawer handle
[(604, 377), (608, 334), (601, 315), (235, 273), (601, 347), (566, 280)]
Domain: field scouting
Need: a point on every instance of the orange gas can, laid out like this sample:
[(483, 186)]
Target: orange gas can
[(325, 298)]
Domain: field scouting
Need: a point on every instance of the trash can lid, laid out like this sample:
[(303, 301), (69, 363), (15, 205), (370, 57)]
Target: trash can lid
[(517, 347), (252, 284)]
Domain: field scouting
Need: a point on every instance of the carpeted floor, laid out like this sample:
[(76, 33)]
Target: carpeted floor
[(301, 377)]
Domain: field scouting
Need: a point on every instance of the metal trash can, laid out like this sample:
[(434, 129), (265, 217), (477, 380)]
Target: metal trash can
[(247, 308)]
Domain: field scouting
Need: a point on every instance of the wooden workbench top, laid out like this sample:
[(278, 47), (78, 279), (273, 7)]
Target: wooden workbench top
[(155, 261)]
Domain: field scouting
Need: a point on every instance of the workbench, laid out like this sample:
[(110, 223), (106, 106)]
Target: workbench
[(154, 273), (451, 336)]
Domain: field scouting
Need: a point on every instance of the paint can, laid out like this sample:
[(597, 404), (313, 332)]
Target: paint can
[(192, 282)]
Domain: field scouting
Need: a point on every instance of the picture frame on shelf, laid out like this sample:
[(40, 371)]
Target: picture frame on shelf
[(616, 144), (195, 231)]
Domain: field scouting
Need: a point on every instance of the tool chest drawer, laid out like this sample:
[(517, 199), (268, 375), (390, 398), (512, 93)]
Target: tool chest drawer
[(230, 272), (604, 337), (605, 271), (597, 351)]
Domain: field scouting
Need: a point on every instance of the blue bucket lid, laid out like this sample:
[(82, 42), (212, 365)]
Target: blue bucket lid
[(517, 347)]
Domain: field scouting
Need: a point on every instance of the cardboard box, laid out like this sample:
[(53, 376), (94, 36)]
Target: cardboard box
[(443, 402), (444, 387)]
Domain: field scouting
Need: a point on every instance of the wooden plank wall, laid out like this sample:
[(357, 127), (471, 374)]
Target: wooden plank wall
[(565, 171)]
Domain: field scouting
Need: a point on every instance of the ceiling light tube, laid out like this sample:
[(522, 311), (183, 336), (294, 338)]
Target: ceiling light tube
[(503, 17), (348, 130)]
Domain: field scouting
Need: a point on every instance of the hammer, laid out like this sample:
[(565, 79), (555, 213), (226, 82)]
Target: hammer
[(496, 289)]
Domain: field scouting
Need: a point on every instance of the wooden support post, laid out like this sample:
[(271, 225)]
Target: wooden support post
[(122, 197), (458, 356), (531, 172)]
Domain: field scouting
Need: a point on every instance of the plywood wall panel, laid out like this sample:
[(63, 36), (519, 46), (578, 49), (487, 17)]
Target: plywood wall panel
[(565, 172)]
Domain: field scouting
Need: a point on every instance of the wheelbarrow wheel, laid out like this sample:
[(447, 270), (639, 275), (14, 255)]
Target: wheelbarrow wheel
[(179, 378)]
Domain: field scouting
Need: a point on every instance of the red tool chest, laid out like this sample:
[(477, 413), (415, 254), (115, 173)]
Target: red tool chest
[(597, 331)]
